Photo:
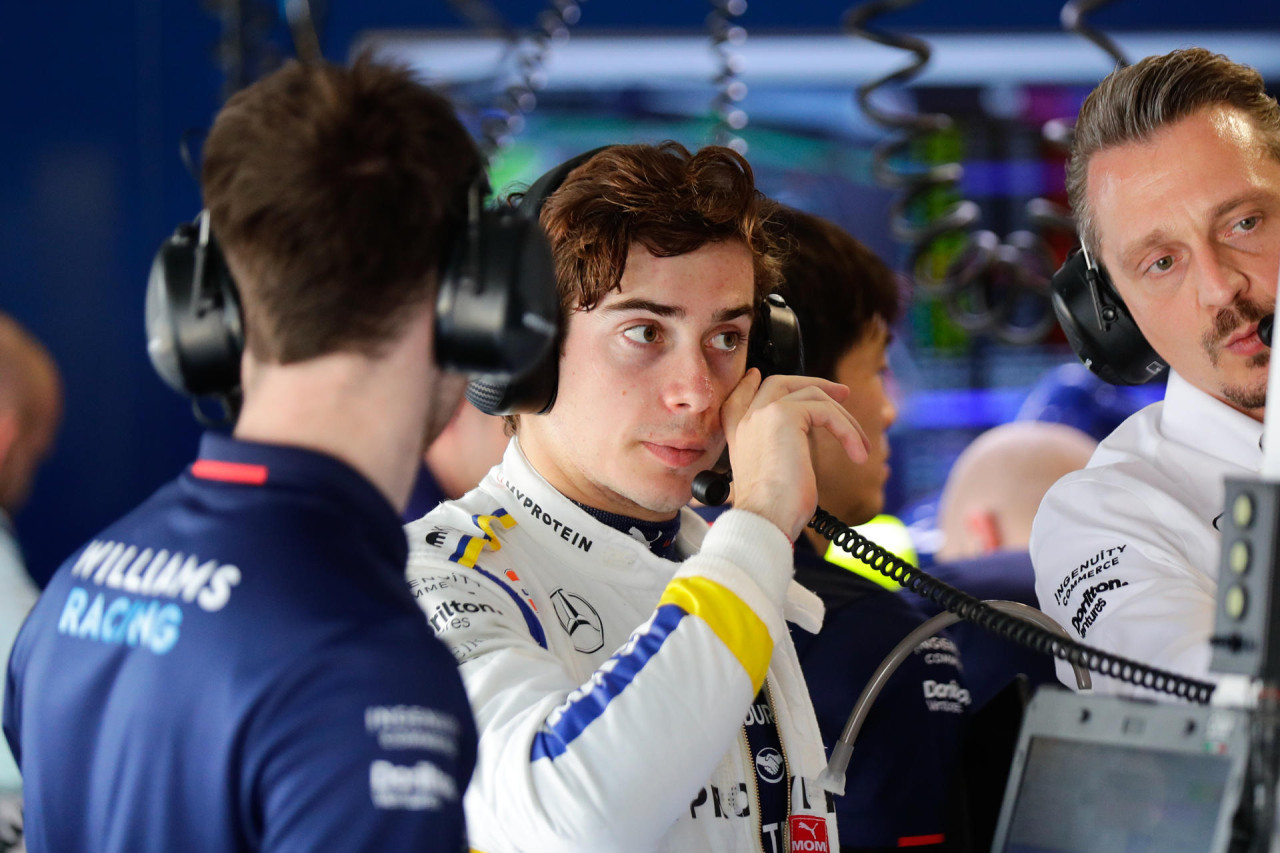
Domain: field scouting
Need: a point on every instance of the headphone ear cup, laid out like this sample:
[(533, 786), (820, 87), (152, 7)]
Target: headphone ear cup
[(528, 383), (775, 345), (497, 313), (496, 310), (1112, 346), (195, 331)]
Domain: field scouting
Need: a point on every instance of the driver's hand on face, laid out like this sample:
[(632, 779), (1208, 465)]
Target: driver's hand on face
[(768, 426)]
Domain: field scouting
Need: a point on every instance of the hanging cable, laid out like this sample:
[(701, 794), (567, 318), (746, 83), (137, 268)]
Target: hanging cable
[(528, 56), (980, 613), (302, 16), (726, 107), (918, 185), (987, 285), (1073, 20)]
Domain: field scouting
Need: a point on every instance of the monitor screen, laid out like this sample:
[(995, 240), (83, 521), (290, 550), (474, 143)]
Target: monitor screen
[(1078, 797)]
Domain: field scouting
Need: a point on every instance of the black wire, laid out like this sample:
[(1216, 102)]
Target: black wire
[(1008, 626), (990, 285), (1073, 20)]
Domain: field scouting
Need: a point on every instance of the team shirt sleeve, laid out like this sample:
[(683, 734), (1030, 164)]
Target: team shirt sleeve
[(610, 762), (1115, 574)]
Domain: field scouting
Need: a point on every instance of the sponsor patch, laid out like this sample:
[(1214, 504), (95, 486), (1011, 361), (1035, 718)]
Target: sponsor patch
[(808, 834), (769, 765), (419, 787), (947, 697), (412, 727), (1106, 558), (1092, 604), (580, 621)]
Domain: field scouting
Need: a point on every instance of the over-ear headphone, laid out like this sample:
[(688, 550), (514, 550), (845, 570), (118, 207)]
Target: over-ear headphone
[(496, 308), (775, 346), (195, 330), (1098, 325), (534, 390)]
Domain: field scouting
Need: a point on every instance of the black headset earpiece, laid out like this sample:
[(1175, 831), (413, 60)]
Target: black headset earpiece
[(1099, 326), (496, 311), (195, 332), (775, 346), (533, 390)]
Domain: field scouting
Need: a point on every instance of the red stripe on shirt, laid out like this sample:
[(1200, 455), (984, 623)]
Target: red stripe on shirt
[(921, 840), (229, 472)]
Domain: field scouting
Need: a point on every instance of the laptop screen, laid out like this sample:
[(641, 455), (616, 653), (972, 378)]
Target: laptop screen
[(1098, 773)]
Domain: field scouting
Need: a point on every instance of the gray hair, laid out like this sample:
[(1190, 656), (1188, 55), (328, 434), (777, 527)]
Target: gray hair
[(1135, 102)]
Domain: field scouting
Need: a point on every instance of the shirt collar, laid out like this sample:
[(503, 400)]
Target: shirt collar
[(231, 462), (1197, 419)]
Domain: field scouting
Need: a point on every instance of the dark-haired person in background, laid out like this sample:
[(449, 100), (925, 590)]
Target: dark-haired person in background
[(611, 645), (1174, 178), (898, 785), (225, 667)]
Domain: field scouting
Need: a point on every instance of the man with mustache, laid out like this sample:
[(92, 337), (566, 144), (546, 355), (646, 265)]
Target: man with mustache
[(1174, 178), (631, 673)]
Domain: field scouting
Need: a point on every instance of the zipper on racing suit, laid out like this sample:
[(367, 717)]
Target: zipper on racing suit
[(786, 770)]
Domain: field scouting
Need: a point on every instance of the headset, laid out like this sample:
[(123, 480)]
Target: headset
[(496, 306), (532, 391), (1098, 325)]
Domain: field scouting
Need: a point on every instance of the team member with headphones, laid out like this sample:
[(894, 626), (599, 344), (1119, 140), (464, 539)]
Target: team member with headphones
[(224, 667), (612, 647), (1174, 178)]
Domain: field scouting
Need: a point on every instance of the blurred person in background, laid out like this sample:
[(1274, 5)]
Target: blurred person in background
[(899, 785), (30, 411)]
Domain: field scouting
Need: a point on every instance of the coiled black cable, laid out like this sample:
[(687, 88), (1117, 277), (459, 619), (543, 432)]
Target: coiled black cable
[(726, 34), (1000, 287), (979, 612), (505, 118), (917, 183)]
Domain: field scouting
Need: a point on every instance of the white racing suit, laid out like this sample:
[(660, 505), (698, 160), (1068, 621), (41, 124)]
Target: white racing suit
[(1126, 550), (609, 685)]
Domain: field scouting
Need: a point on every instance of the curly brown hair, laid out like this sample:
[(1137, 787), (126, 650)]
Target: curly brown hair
[(335, 194), (662, 197)]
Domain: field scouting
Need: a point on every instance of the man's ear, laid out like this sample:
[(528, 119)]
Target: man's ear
[(984, 529)]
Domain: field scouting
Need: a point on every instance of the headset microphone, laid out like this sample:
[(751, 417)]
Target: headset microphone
[(1264, 328)]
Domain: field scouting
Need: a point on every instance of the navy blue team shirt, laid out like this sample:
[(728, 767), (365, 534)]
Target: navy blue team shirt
[(238, 665), (991, 661), (900, 780)]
